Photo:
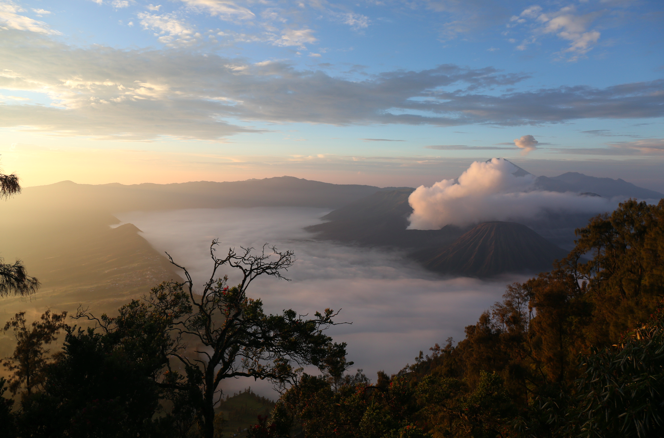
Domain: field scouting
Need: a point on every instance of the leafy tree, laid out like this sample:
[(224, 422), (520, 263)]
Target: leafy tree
[(352, 408), (13, 277), (624, 280), (7, 429), (191, 341), (29, 360), (104, 382), (620, 391)]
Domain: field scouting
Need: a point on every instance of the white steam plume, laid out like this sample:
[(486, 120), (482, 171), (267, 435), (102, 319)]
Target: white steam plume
[(490, 191)]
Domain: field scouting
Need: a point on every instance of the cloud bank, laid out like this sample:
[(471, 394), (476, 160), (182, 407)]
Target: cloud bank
[(489, 191), (396, 308), (142, 94)]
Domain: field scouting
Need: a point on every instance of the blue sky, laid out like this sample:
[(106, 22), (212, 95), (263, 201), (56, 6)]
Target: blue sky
[(377, 92)]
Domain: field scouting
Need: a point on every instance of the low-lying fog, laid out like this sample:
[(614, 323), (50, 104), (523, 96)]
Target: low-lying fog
[(396, 308)]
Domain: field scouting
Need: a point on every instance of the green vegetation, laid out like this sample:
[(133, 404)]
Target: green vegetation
[(155, 368), (574, 352), (241, 410), (578, 351)]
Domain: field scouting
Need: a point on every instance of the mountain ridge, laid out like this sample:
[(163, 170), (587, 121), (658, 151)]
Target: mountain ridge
[(493, 248)]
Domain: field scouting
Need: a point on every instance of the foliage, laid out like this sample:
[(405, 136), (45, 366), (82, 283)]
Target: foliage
[(571, 352), (241, 410), (9, 185), (29, 360), (516, 372), (621, 388), (13, 277), (233, 337), (354, 408), (7, 428)]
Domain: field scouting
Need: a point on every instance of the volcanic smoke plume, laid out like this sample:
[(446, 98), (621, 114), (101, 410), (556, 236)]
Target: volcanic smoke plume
[(489, 191)]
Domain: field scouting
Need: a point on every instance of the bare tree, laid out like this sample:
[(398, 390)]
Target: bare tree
[(219, 333)]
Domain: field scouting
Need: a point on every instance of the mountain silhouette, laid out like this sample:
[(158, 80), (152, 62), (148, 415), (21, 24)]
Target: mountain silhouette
[(493, 248), (381, 219), (606, 187)]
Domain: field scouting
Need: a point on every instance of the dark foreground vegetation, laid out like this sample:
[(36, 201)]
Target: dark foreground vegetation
[(577, 351)]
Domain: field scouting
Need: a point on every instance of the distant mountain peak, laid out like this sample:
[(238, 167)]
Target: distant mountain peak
[(606, 187), (516, 171), (493, 248)]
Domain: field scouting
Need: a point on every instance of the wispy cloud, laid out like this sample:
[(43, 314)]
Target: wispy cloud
[(171, 30), (223, 9), (463, 18), (463, 147), (123, 93), (119, 4), (10, 18), (651, 146), (41, 12), (645, 147), (565, 23), (606, 133), (296, 37), (379, 139), (356, 21)]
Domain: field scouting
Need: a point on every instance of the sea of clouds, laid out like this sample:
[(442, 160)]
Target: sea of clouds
[(397, 309)]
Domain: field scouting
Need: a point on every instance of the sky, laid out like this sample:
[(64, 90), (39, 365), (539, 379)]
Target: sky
[(388, 93)]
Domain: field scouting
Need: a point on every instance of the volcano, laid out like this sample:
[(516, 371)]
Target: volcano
[(493, 248)]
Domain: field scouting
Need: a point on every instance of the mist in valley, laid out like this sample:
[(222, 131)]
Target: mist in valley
[(395, 307)]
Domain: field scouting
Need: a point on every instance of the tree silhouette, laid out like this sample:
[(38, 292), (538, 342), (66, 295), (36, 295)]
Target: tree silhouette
[(219, 333), (29, 360), (13, 277)]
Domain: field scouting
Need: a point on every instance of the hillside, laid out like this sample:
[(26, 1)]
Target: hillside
[(606, 187), (493, 248), (282, 192), (241, 411), (380, 219)]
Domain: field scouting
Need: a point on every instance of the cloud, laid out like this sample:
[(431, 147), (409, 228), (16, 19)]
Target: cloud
[(18, 98), (356, 21), (651, 146), (463, 147), (11, 19), (389, 326), (170, 29), (225, 10), (526, 143), (41, 12), (607, 133), (154, 8), (98, 91), (645, 147), (489, 191), (565, 23), (465, 17), (119, 4), (379, 139), (296, 37)]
